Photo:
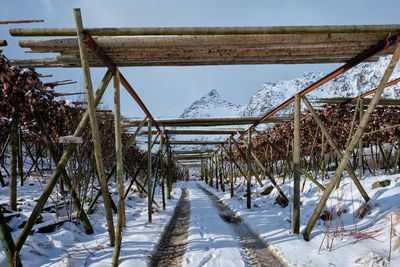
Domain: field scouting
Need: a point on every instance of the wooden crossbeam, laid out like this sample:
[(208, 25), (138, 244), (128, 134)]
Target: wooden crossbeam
[(216, 131), (195, 151), (181, 122), (125, 31), (194, 142)]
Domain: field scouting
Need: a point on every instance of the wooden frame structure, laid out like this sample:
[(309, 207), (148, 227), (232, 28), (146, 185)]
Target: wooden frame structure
[(117, 47)]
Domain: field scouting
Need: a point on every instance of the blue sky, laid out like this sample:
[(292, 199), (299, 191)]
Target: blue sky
[(167, 91)]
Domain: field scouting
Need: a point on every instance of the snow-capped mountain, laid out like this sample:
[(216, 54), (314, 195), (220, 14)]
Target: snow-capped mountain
[(360, 79), (212, 105)]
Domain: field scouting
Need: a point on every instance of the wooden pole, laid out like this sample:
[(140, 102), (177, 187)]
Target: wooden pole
[(230, 167), (216, 170), (360, 143), (20, 157), (8, 242), (127, 31), (206, 170), (149, 204), (221, 173), (94, 126), (211, 172), (162, 170), (120, 170), (354, 141), (296, 165), (14, 154), (169, 169), (20, 21), (249, 169)]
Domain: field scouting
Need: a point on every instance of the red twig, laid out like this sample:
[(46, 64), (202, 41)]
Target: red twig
[(391, 232)]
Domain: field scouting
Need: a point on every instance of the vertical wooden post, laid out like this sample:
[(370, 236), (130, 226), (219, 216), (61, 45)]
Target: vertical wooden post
[(168, 148), (201, 170), (119, 170), (162, 170), (20, 157), (397, 163), (353, 143), (230, 167), (149, 188), (360, 143), (206, 171), (94, 125), (296, 165), (211, 172), (13, 154), (249, 169), (221, 173), (216, 170), (8, 242)]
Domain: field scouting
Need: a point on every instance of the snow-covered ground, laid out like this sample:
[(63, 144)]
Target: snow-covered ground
[(69, 245), (211, 241), (345, 241)]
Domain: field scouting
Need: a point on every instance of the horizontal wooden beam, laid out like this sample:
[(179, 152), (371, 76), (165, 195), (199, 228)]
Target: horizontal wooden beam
[(187, 157), (211, 121), (348, 100), (54, 63), (191, 165), (116, 45), (124, 31), (3, 43), (20, 21), (216, 131), (194, 151), (195, 142)]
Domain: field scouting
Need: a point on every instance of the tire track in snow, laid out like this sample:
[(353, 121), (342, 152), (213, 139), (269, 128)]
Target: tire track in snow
[(254, 248), (171, 248)]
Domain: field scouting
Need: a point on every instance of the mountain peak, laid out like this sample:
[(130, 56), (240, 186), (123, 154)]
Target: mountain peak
[(211, 105), (213, 93)]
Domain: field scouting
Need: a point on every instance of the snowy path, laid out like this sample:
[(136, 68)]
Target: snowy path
[(217, 237), (211, 241)]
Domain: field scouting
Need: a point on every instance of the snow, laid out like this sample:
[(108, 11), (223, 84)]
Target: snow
[(357, 242), (211, 241), (272, 223), (69, 245), (212, 105)]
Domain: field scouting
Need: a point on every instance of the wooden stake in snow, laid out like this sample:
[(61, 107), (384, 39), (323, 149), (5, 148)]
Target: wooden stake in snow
[(93, 123), (249, 169), (296, 165), (8, 242), (120, 170), (14, 154), (149, 141)]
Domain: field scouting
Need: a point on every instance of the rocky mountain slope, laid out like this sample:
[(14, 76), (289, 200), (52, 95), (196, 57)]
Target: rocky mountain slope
[(360, 79)]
